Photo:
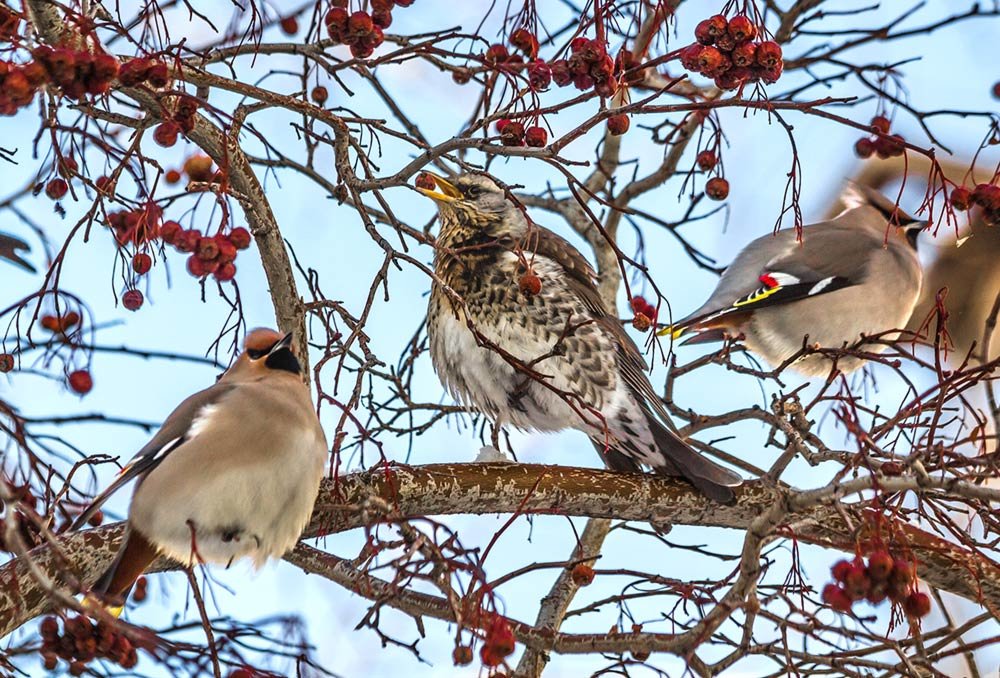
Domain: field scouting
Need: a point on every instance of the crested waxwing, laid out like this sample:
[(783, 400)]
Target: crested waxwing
[(233, 472), (855, 274), (531, 343), (9, 246)]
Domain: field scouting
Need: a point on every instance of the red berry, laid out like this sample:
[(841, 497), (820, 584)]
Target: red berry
[(690, 56), (512, 134), (290, 25), (987, 196), (582, 574), (837, 598), (857, 583), (881, 124), (207, 249), (158, 75), (864, 148), (717, 25), (717, 188), (917, 604), (880, 565), (771, 74), (961, 199), (187, 241), (336, 23), (562, 75), (525, 41), (132, 300), (536, 137), (996, 90), (903, 572), (382, 18), (618, 124), (198, 168), (768, 54), (462, 655), (703, 32), (711, 62), (49, 628), (745, 54), (225, 272), (319, 95), (733, 78), (227, 250), (166, 133), (56, 188), (426, 181), (170, 231), (240, 237), (496, 54), (96, 519), (529, 284), (172, 177), (197, 267), (360, 24), (80, 381), (539, 75), (6, 363), (741, 28), (141, 263), (877, 593), (641, 322), (706, 160)]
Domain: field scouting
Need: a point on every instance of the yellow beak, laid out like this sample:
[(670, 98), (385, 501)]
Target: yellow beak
[(446, 191)]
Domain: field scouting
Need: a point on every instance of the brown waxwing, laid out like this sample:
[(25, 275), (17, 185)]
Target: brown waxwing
[(9, 246), (855, 274), (233, 472)]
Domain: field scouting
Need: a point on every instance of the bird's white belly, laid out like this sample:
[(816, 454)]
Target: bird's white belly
[(485, 379), (269, 507)]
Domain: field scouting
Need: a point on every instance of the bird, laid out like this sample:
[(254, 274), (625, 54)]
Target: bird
[(517, 330), (233, 472), (856, 274), (9, 246)]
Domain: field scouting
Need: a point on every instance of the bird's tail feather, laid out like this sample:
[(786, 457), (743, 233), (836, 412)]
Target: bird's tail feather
[(714, 481), (134, 556)]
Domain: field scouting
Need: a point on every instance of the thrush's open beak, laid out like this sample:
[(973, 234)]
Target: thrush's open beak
[(445, 192)]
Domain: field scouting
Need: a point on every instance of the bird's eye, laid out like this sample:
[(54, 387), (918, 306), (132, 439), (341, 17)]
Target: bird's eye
[(473, 191), (254, 354)]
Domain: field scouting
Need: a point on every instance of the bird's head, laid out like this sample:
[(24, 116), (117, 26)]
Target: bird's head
[(264, 349), (473, 203)]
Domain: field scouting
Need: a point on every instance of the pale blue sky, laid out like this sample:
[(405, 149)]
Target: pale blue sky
[(953, 73)]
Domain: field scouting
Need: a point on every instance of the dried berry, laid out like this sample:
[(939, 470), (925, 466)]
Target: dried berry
[(717, 188), (706, 160), (198, 168), (880, 565), (768, 54), (961, 199), (319, 95), (132, 300), (462, 655), (290, 25), (6, 363), (525, 40), (496, 54), (917, 604), (172, 177), (536, 137), (641, 322), (539, 75), (618, 124), (225, 272), (582, 574), (742, 28), (166, 133), (864, 148), (240, 237), (141, 263), (837, 598), (425, 181), (529, 284), (880, 123), (56, 188)]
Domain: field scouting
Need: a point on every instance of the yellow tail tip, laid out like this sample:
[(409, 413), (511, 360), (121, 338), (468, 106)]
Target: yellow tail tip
[(671, 331), (92, 604)]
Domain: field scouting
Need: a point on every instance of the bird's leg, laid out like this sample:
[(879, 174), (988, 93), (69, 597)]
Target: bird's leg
[(495, 436), (492, 452)]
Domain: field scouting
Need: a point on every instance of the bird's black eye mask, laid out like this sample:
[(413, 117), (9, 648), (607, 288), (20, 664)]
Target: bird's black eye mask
[(255, 354)]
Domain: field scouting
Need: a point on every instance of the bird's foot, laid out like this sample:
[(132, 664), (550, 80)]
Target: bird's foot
[(488, 454)]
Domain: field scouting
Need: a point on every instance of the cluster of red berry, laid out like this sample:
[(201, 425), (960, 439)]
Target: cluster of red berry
[(882, 146), (57, 187), (727, 50), (77, 72), (136, 226), (82, 641), (513, 133), (645, 313), (361, 31), (60, 324), (986, 196), (18, 85), (141, 70), (883, 577), (209, 254), (498, 643), (716, 188), (182, 122)]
